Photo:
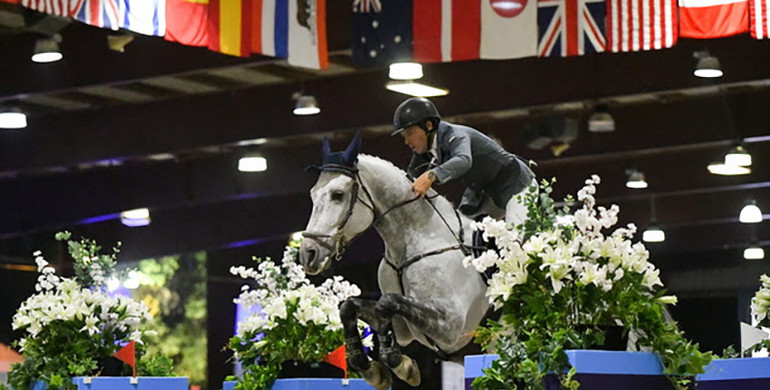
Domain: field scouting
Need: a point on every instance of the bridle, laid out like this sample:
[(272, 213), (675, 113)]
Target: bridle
[(337, 243)]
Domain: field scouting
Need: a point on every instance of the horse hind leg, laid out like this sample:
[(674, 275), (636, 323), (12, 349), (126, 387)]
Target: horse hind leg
[(374, 372)]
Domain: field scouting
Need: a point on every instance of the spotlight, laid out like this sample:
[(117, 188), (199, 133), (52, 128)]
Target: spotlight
[(12, 118), (306, 105), (136, 217), (708, 65), (415, 89), (253, 163), (718, 168), (47, 50), (405, 71), (738, 156), (750, 213), (601, 121), (754, 253), (653, 233), (636, 179)]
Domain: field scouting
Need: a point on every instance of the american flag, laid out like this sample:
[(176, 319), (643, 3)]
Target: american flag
[(571, 27), (759, 19), (367, 6), (634, 25), (64, 8)]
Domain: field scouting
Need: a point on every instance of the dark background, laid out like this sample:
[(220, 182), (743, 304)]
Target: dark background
[(162, 126)]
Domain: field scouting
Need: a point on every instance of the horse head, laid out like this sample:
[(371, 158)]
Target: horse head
[(339, 215)]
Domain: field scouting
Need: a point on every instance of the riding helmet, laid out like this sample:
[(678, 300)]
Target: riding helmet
[(414, 111)]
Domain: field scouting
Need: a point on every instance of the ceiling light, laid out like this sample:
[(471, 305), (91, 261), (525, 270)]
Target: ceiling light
[(636, 179), (252, 164), (718, 168), (136, 217), (750, 213), (654, 234), (708, 65), (405, 71), (12, 118), (754, 253), (415, 89), (601, 121), (46, 50), (306, 105), (738, 156)]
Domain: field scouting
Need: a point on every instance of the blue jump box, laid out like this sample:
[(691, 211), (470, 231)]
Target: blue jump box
[(600, 370), (311, 384), (124, 383)]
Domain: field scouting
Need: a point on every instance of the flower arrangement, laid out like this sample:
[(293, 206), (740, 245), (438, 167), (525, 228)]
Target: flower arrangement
[(73, 325), (297, 320), (760, 308), (560, 282)]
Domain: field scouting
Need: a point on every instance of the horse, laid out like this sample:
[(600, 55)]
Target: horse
[(427, 293)]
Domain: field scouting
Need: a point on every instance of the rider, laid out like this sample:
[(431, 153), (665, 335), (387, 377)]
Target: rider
[(443, 151)]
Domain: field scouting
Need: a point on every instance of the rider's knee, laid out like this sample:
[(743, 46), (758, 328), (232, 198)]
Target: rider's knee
[(347, 309)]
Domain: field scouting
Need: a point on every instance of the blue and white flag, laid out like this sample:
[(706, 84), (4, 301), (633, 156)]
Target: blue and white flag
[(146, 17)]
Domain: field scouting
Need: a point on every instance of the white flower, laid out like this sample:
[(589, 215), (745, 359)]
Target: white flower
[(90, 326)]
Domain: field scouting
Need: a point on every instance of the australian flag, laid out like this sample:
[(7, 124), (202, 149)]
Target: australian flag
[(382, 31), (571, 27)]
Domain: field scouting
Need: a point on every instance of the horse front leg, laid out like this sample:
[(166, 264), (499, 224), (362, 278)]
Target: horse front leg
[(374, 372)]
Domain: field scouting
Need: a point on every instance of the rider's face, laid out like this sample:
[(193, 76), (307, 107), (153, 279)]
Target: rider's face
[(416, 138)]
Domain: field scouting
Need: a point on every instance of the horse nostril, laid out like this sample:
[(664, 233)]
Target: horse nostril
[(311, 253)]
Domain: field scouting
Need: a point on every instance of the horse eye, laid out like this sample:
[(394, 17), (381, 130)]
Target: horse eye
[(337, 195)]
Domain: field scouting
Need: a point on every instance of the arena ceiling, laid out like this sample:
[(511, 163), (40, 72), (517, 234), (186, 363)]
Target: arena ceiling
[(162, 126)]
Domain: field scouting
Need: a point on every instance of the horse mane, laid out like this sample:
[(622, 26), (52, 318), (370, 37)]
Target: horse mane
[(385, 166)]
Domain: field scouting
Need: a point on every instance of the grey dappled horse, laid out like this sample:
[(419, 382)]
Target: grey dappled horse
[(427, 294)]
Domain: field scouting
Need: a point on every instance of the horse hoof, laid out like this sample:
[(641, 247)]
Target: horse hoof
[(408, 371), (377, 376)]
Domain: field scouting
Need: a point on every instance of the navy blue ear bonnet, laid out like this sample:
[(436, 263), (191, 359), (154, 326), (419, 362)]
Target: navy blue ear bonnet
[(342, 162)]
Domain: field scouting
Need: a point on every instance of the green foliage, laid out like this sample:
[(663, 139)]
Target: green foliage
[(174, 289), (72, 326), (550, 302)]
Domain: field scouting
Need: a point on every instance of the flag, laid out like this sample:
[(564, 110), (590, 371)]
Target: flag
[(759, 18), (446, 30), (146, 17), (508, 29), (10, 1), (307, 34), (270, 28), (51, 7), (230, 26), (713, 18), (99, 13), (382, 33), (635, 25), (127, 355), (571, 27), (187, 22), (337, 358)]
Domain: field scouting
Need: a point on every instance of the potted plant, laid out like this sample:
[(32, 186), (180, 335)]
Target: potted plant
[(295, 322), (561, 282), (73, 325)]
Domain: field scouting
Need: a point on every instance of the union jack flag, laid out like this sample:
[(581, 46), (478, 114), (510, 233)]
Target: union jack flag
[(99, 13), (571, 27)]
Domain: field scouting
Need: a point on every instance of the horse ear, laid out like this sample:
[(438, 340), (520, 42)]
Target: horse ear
[(326, 149), (351, 153)]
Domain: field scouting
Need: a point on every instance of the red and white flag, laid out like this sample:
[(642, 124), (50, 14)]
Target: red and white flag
[(508, 29), (759, 17), (456, 30), (638, 25), (713, 18)]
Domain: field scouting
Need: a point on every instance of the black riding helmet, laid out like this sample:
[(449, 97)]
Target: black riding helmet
[(415, 111)]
